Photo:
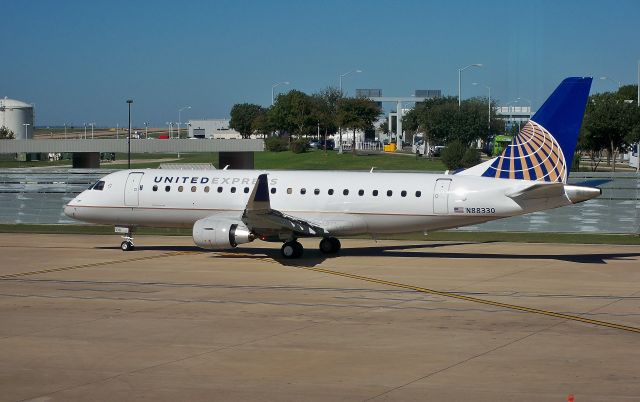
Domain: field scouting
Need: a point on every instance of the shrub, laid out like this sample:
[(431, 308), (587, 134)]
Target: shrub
[(471, 158), (276, 144), (452, 155), (299, 146)]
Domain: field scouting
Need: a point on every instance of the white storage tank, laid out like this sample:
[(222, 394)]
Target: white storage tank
[(17, 116)]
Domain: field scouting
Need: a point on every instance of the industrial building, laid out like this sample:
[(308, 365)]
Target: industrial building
[(17, 117), (212, 129)]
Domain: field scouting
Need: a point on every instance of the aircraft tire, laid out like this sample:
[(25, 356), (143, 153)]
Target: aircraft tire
[(299, 249), (290, 249), (126, 246), (326, 246), (336, 244)]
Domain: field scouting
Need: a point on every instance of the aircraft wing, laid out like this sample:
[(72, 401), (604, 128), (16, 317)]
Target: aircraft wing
[(259, 216)]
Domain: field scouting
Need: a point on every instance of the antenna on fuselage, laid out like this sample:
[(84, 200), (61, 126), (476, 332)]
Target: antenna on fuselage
[(225, 168), (372, 167)]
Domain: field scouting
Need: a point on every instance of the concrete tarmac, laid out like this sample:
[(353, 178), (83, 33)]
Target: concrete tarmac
[(80, 320)]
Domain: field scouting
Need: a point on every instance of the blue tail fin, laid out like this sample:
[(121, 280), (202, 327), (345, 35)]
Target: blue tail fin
[(543, 150)]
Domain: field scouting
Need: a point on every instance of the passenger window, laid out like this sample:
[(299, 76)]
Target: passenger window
[(374, 193), (206, 189), (289, 190), (246, 190), (220, 189), (360, 193), (193, 189), (418, 193), (330, 191), (403, 193), (155, 188), (389, 193), (316, 191), (345, 192), (303, 191), (273, 190), (167, 188), (180, 188), (99, 185), (233, 189)]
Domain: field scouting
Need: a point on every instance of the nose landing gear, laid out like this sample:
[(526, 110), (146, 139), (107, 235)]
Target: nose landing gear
[(127, 236)]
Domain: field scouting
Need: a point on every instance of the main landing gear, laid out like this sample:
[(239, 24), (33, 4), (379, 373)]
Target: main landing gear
[(293, 249), (330, 245)]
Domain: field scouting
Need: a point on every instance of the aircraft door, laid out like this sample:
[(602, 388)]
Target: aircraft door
[(441, 196), (132, 189)]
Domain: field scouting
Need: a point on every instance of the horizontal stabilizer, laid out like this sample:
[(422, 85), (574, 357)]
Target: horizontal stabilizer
[(538, 190)]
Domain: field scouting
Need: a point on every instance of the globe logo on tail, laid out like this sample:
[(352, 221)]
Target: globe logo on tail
[(533, 155)]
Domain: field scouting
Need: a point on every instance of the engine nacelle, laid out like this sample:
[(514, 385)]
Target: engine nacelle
[(220, 234)]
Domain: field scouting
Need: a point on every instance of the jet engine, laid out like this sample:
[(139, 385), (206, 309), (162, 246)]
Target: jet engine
[(220, 234)]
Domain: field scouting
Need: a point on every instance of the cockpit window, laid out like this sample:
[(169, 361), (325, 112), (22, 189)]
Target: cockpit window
[(99, 185)]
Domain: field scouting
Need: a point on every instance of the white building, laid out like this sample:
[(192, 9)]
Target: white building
[(212, 129), (17, 116)]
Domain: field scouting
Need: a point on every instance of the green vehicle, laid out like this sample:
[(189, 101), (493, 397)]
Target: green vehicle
[(499, 143)]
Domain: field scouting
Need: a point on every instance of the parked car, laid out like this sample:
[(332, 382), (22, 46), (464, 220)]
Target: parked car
[(330, 145), (437, 150), (315, 144)]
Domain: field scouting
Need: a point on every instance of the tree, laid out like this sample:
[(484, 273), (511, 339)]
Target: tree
[(325, 108), (243, 116), (442, 121), (292, 113), (453, 154), (609, 124), (357, 114), (6, 134)]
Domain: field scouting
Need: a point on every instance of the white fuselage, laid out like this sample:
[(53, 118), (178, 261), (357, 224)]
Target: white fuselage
[(344, 203)]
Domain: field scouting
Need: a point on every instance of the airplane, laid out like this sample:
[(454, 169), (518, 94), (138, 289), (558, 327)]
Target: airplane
[(226, 208)]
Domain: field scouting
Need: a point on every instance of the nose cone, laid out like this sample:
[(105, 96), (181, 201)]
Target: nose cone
[(68, 211)]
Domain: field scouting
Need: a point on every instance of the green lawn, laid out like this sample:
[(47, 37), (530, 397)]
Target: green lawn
[(312, 160)]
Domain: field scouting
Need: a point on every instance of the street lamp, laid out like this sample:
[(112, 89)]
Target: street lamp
[(340, 86), (489, 104), (277, 84), (180, 117), (612, 80), (344, 75), (129, 102), (170, 124), (460, 70)]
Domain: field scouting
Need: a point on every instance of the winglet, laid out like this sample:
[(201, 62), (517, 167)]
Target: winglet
[(259, 199)]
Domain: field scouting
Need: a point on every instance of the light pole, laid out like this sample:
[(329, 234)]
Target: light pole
[(85, 131), (117, 131), (274, 86), (129, 102), (65, 131), (344, 75), (488, 105), (146, 130), (340, 86), (170, 124), (612, 80), (460, 70), (26, 129), (180, 117), (92, 125)]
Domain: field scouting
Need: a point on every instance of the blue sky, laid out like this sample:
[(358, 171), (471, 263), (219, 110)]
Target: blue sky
[(78, 61)]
